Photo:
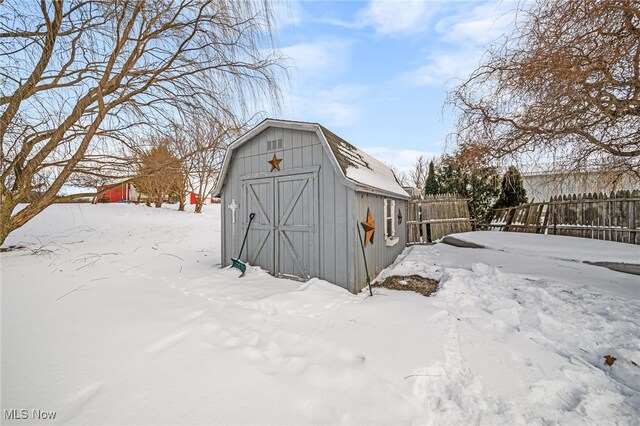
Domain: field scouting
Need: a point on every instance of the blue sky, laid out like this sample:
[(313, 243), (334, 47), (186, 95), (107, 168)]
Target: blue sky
[(377, 72)]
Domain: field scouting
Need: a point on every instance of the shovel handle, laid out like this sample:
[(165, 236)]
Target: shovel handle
[(246, 233)]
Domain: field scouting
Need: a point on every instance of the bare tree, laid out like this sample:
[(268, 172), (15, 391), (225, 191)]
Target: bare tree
[(81, 79), (181, 149), (210, 139), (418, 175), (563, 89), (401, 177), (160, 173), (201, 144)]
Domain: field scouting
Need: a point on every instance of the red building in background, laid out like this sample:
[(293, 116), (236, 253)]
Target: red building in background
[(193, 199), (120, 193), (126, 192)]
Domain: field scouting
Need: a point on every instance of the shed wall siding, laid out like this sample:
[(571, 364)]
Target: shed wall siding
[(301, 149), (379, 255)]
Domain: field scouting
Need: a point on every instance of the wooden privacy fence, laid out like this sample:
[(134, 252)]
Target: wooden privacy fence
[(434, 217), (614, 218)]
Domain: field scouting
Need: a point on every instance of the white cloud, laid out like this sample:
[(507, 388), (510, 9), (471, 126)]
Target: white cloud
[(397, 17), (286, 13), (444, 68), (467, 34), (479, 25), (319, 56), (311, 94), (335, 22), (338, 106), (402, 159)]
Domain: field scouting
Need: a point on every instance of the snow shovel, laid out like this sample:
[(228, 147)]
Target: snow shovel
[(237, 263)]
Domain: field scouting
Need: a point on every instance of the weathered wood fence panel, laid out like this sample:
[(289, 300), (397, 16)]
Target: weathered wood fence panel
[(434, 217), (614, 218)]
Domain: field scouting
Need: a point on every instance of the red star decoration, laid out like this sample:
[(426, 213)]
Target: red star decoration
[(275, 163), (369, 228), (399, 217)]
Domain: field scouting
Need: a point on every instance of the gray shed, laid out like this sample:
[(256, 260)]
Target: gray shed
[(310, 190)]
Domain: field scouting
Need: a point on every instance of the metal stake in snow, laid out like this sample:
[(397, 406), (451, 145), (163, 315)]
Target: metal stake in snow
[(364, 256)]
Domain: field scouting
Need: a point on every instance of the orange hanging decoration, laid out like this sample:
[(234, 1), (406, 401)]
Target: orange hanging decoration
[(369, 228)]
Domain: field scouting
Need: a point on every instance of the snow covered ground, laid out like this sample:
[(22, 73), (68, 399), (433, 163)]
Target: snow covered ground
[(120, 314)]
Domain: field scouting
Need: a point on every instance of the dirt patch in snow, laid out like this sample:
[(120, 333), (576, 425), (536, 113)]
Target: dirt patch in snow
[(416, 283)]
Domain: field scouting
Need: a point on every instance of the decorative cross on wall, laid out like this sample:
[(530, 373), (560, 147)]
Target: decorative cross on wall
[(233, 207)]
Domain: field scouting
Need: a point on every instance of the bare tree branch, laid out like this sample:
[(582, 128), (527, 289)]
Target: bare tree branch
[(563, 89), (82, 82)]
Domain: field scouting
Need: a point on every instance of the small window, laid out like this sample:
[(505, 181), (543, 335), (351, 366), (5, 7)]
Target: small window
[(274, 144), (390, 223)]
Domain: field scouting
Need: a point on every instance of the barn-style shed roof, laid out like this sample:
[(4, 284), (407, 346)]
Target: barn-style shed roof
[(356, 168)]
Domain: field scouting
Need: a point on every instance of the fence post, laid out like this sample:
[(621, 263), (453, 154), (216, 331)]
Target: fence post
[(632, 222), (510, 215), (545, 221)]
